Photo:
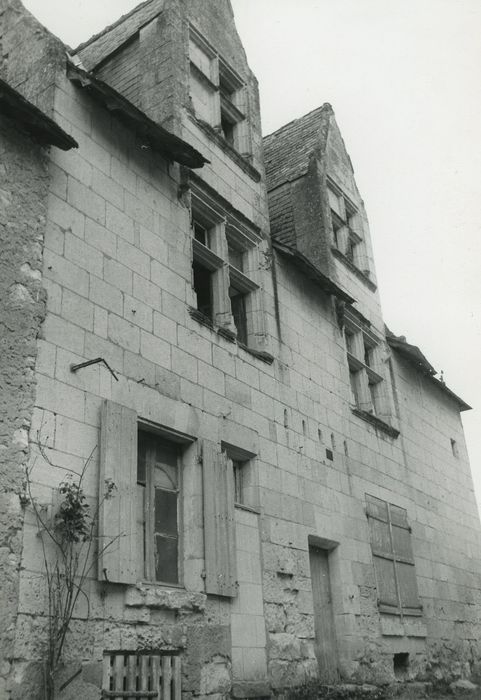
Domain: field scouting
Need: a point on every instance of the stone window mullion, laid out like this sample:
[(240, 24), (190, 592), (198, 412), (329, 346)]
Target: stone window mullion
[(221, 280)]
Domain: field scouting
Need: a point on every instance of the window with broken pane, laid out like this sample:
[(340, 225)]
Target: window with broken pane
[(158, 491)]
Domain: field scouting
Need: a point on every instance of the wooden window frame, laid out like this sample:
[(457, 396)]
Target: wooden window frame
[(149, 513)]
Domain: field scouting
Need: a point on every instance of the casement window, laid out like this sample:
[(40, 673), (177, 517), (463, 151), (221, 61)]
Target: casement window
[(224, 263), (217, 92), (158, 507), (363, 359), (347, 237), (141, 528), (393, 558)]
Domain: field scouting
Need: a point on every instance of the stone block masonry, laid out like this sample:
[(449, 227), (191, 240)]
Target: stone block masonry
[(23, 192), (308, 534)]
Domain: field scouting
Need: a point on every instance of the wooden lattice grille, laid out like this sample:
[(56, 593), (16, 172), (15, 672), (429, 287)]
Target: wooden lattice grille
[(140, 676)]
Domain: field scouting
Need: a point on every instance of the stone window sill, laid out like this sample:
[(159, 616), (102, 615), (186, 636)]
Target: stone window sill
[(359, 273), (159, 597), (228, 335), (376, 422), (218, 139)]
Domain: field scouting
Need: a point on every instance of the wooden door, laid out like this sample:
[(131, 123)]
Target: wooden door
[(326, 645)]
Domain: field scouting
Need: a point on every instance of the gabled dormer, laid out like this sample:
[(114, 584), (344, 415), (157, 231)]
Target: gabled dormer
[(315, 207), (183, 65)]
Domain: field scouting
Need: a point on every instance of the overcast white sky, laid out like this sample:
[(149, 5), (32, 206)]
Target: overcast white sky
[(403, 77)]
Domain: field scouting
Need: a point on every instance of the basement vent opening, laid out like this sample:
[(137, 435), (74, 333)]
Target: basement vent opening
[(401, 665), (144, 674)]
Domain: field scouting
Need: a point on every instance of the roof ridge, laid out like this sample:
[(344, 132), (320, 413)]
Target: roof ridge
[(109, 27), (325, 106)]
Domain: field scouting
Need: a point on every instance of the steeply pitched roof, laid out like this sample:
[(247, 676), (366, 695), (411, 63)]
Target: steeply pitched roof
[(42, 128), (287, 150), (416, 358), (101, 45)]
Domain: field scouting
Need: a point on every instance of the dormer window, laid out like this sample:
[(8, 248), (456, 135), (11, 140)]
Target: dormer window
[(346, 227), (217, 92)]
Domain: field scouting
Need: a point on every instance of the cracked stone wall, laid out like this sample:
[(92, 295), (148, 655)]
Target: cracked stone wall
[(23, 191)]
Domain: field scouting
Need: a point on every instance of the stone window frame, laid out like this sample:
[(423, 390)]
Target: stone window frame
[(224, 232), (392, 553), (245, 477), (225, 89), (363, 352), (347, 228)]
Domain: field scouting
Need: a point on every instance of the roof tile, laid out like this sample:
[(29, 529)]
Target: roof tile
[(101, 45)]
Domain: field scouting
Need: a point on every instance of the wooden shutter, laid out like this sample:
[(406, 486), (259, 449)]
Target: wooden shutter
[(117, 516), (393, 557), (219, 524)]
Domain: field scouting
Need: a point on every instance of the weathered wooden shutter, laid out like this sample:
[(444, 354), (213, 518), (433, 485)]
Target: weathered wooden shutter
[(405, 571), (393, 557), (117, 516), (219, 523)]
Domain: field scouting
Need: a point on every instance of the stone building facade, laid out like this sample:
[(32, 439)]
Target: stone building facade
[(293, 495)]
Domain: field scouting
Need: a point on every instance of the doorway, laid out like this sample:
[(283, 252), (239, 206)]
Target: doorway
[(326, 643)]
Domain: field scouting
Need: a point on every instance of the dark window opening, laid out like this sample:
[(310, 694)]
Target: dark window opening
[(329, 454), (350, 250), (203, 289), (350, 342), (228, 128), (353, 378), (201, 234), (337, 225), (238, 306), (373, 394), (157, 471), (367, 355), (236, 257), (239, 474), (454, 448), (401, 665)]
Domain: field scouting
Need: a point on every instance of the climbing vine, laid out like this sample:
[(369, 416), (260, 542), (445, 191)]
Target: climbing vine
[(70, 550)]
